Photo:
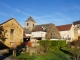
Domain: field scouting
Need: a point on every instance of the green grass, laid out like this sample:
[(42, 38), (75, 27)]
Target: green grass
[(56, 55)]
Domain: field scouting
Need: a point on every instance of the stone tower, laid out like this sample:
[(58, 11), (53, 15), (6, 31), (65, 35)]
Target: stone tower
[(29, 23)]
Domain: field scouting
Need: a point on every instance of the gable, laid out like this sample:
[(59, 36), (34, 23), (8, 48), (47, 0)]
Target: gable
[(11, 22)]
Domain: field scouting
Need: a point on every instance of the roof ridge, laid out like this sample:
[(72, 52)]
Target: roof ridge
[(44, 24), (64, 24)]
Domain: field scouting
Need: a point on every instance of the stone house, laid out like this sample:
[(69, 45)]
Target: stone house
[(76, 27), (14, 32), (64, 31), (70, 31)]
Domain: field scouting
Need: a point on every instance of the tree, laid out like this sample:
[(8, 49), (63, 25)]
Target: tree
[(52, 32), (2, 34)]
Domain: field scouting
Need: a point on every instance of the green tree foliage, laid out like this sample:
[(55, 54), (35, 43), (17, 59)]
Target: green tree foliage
[(45, 44), (48, 44)]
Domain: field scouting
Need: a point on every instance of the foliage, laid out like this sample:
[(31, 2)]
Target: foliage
[(2, 34), (75, 43), (74, 49), (1, 30), (52, 32), (45, 44), (56, 44)]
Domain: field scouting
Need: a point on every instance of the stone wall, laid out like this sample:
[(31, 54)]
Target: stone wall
[(76, 31), (17, 36), (30, 25)]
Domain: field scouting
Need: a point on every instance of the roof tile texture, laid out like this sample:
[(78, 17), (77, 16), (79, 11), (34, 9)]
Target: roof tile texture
[(64, 27)]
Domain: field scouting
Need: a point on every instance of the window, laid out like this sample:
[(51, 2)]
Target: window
[(27, 24), (12, 23), (63, 37), (78, 31), (11, 32), (33, 24), (67, 36)]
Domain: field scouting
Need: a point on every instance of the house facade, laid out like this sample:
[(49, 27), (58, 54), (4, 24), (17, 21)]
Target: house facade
[(76, 27), (13, 34), (64, 31), (70, 31), (38, 32)]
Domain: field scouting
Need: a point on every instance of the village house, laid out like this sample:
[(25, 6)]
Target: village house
[(64, 31), (70, 31), (12, 32), (39, 31)]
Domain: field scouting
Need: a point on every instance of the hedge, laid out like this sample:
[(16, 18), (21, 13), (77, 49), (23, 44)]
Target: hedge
[(56, 44)]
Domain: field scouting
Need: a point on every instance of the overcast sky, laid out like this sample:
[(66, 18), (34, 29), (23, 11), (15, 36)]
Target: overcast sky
[(58, 12)]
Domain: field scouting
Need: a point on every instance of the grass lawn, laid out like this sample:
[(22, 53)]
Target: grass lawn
[(56, 55)]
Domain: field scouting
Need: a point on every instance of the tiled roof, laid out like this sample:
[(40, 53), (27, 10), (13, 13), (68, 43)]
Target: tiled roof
[(64, 27), (30, 19), (41, 27)]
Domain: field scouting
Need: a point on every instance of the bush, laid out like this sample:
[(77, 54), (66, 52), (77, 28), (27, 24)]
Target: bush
[(53, 44), (45, 44)]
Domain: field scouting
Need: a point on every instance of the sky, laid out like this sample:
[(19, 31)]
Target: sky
[(58, 12)]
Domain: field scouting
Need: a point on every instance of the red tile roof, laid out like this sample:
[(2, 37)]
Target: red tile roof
[(64, 27)]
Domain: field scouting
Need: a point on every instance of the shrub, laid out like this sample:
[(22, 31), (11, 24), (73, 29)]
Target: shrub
[(45, 44), (56, 44)]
